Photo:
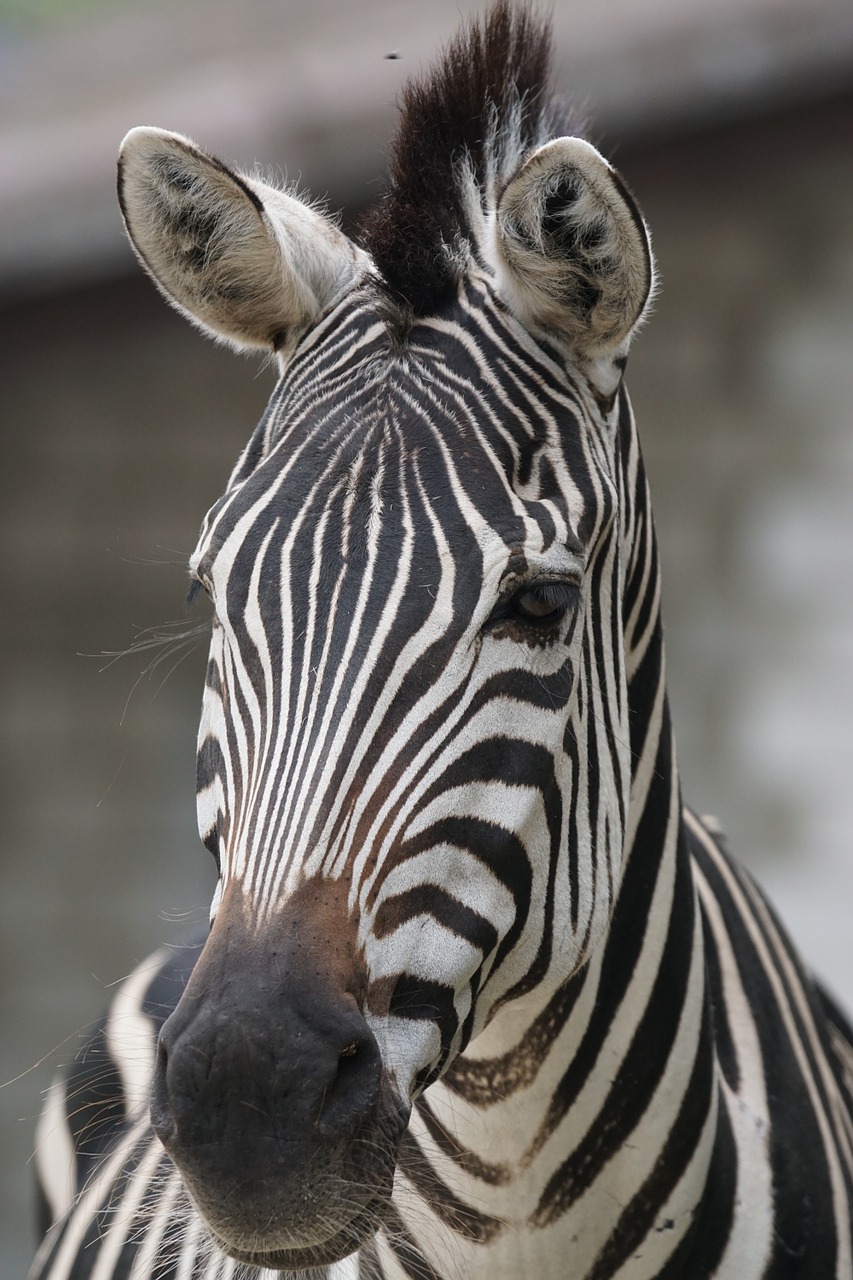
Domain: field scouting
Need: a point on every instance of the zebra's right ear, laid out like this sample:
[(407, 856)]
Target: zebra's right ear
[(571, 248), (245, 261)]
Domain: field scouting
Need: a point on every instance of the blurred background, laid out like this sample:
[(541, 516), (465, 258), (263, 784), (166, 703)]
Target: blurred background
[(733, 123)]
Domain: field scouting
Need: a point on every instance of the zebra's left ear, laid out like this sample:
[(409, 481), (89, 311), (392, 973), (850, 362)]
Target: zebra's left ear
[(245, 261), (573, 252)]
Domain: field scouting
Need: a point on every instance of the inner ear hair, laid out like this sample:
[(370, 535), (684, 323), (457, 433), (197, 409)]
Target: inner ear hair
[(572, 251), (246, 262)]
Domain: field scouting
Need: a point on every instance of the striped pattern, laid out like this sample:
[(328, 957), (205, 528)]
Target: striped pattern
[(436, 680), (688, 1072), (398, 653)]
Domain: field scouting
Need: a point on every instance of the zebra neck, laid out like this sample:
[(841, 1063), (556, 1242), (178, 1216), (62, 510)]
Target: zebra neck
[(585, 1121), (582, 1123)]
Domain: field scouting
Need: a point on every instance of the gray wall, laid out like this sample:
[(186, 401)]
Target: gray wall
[(120, 425)]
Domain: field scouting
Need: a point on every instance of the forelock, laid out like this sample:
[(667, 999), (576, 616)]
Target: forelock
[(464, 130)]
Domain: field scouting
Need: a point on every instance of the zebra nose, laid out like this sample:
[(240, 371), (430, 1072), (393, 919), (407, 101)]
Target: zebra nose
[(264, 1107), (269, 1092), (290, 1075)]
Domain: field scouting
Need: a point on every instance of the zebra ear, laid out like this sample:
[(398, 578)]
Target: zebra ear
[(573, 253), (246, 262)]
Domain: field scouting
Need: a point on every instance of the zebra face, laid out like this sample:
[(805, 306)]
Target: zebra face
[(399, 571), (409, 773), (398, 709)]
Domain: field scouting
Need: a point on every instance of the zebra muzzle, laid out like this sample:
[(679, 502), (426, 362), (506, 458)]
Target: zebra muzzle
[(269, 1095)]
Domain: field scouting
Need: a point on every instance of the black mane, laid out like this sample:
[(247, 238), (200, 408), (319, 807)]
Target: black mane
[(483, 107)]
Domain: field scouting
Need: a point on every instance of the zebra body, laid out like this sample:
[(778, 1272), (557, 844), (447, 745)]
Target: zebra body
[(480, 997)]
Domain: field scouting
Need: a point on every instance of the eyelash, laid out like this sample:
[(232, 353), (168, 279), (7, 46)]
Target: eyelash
[(557, 597)]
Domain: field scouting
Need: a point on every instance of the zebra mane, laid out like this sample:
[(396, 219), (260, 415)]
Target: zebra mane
[(464, 129)]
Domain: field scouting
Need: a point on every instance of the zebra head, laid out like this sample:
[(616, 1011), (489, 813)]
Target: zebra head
[(414, 764)]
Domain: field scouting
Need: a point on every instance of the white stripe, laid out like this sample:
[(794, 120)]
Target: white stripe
[(123, 1214), (54, 1157), (129, 1034), (160, 1243), (771, 967)]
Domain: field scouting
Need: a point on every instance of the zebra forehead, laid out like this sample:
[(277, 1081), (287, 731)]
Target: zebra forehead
[(386, 493), (367, 448), (471, 373)]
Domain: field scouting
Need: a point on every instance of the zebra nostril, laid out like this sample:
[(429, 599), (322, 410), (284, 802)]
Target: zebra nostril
[(161, 1066), (349, 1063), (353, 1085), (162, 1119)]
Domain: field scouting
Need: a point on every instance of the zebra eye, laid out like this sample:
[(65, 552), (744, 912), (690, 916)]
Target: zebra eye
[(545, 602)]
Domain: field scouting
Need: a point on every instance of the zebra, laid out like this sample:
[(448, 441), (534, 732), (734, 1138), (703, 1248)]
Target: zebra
[(481, 996)]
